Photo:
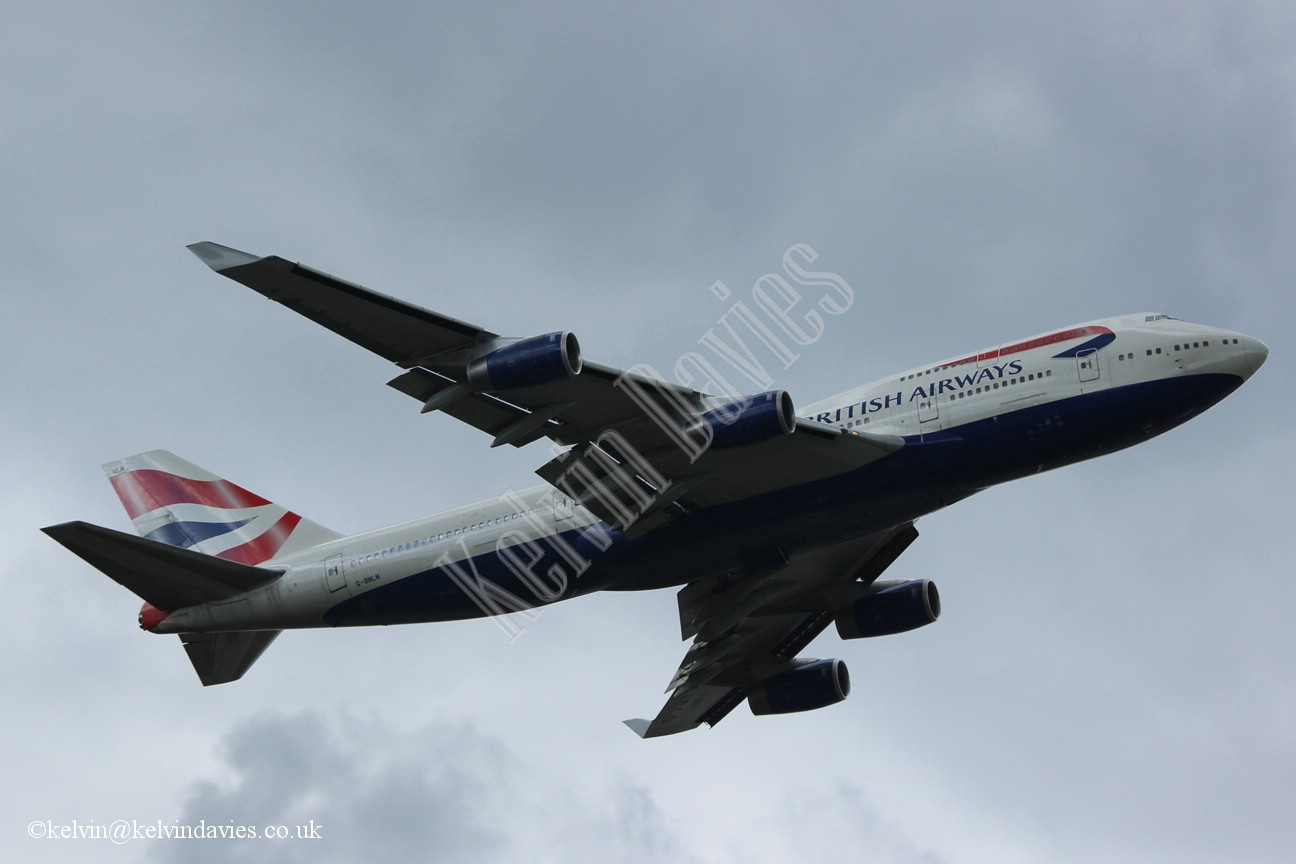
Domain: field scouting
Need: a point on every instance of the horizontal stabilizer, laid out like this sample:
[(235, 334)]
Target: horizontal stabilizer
[(167, 576), (219, 658)]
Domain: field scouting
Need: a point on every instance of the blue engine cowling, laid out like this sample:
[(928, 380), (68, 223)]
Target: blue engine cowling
[(802, 688), (527, 362), (894, 609), (753, 419)]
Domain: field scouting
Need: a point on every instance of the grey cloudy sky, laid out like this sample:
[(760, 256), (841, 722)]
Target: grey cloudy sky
[(1110, 679)]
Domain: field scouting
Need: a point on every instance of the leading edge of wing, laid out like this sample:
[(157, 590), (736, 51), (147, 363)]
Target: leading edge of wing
[(395, 330)]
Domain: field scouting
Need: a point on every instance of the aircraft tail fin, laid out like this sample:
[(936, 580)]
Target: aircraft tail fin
[(169, 577), (175, 502), (202, 539)]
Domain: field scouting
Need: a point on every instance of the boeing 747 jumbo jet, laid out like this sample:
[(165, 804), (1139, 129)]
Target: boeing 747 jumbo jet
[(775, 522)]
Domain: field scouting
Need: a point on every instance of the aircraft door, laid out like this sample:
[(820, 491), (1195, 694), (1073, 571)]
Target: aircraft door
[(563, 507), (1087, 365), (334, 575), (928, 408)]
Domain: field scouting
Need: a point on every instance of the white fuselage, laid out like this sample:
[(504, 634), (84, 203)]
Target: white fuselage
[(1137, 355)]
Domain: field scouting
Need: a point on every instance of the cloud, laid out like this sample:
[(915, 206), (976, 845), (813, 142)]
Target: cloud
[(1108, 680), (843, 816), (373, 792)]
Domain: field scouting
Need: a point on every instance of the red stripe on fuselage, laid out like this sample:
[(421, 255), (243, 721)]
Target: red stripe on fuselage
[(1037, 342)]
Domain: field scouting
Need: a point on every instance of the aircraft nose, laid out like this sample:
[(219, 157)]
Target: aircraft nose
[(1256, 354)]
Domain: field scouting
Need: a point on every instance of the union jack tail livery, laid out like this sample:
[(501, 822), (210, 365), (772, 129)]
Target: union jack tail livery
[(173, 501), (202, 540)]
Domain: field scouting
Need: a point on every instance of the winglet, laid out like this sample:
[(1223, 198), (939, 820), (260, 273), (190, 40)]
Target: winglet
[(639, 726), (219, 257)]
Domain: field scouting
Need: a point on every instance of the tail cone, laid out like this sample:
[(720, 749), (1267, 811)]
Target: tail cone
[(150, 617)]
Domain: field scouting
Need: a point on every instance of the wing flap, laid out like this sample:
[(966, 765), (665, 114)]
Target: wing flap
[(481, 411), (688, 709)]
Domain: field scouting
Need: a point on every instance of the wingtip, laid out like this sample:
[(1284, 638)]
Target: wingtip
[(219, 257), (639, 726)]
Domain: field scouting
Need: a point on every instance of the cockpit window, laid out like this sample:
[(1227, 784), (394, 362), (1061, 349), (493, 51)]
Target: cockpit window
[(1160, 318)]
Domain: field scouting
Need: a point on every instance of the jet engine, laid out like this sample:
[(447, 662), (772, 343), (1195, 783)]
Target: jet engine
[(527, 362), (753, 419), (894, 609), (813, 684)]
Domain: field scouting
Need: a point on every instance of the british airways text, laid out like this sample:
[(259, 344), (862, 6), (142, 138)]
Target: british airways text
[(936, 388)]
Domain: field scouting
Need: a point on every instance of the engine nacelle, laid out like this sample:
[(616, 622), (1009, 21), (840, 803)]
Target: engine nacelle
[(802, 688), (753, 419), (527, 362), (895, 609)]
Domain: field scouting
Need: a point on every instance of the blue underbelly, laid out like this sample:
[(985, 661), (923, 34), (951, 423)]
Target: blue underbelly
[(931, 471)]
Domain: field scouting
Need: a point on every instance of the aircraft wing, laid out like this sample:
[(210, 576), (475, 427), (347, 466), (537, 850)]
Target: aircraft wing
[(751, 628), (661, 449)]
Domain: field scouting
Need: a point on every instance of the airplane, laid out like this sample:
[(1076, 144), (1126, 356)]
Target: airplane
[(773, 523)]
